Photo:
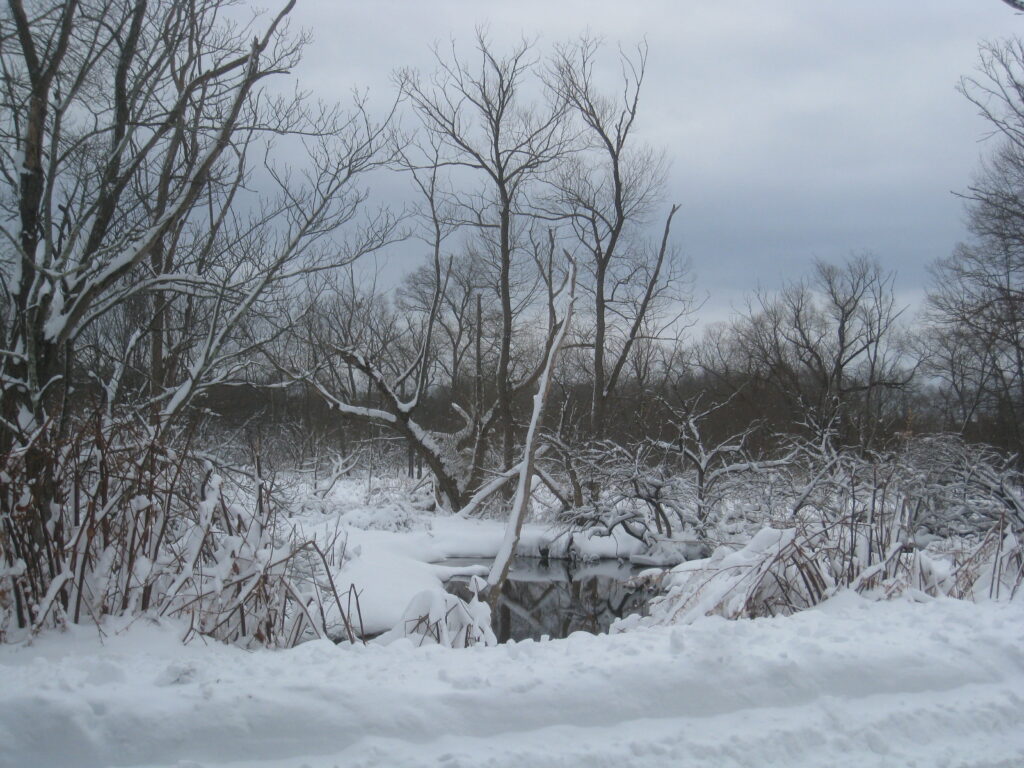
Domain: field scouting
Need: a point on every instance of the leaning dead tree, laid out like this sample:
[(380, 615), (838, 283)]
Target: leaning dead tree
[(360, 371), (472, 117), (521, 501)]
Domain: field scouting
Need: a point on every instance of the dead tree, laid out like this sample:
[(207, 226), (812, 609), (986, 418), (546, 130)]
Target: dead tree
[(521, 500)]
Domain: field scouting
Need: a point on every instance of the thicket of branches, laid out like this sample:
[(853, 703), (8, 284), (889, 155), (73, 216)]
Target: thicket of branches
[(181, 258)]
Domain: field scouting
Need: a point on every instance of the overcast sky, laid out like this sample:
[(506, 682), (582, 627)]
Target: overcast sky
[(796, 128)]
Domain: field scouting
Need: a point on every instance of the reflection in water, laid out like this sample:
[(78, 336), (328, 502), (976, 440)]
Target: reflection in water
[(557, 598)]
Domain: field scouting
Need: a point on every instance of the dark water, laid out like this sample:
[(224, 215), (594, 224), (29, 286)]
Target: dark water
[(556, 598)]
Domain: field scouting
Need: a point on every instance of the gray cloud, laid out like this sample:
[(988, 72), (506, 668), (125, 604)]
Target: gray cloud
[(796, 130)]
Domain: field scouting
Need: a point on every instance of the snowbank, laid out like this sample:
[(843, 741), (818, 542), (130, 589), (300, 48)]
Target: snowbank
[(849, 683)]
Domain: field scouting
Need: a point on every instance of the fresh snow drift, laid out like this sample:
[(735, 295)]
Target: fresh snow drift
[(850, 683)]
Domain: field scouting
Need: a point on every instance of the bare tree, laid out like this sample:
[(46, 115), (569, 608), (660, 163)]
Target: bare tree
[(154, 107), (963, 369), (479, 118), (827, 347), (608, 191), (129, 143), (352, 339), (977, 299), (393, 362), (460, 328), (977, 313)]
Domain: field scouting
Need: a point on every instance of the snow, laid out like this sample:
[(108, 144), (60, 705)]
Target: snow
[(850, 683), (389, 568), (393, 549)]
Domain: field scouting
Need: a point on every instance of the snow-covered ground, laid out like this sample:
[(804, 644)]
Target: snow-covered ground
[(851, 683)]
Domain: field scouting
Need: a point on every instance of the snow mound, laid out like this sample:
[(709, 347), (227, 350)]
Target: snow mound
[(444, 619)]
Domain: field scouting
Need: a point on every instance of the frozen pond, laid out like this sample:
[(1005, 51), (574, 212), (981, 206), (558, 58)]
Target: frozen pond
[(557, 597)]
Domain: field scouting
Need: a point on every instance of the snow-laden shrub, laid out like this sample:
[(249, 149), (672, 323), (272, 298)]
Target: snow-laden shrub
[(680, 495), (130, 531), (991, 570), (616, 487), (438, 617), (770, 575), (784, 570), (959, 489), (778, 572), (935, 517), (723, 494), (397, 517)]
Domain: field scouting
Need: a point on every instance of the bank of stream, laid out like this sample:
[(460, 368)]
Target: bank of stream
[(554, 598)]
